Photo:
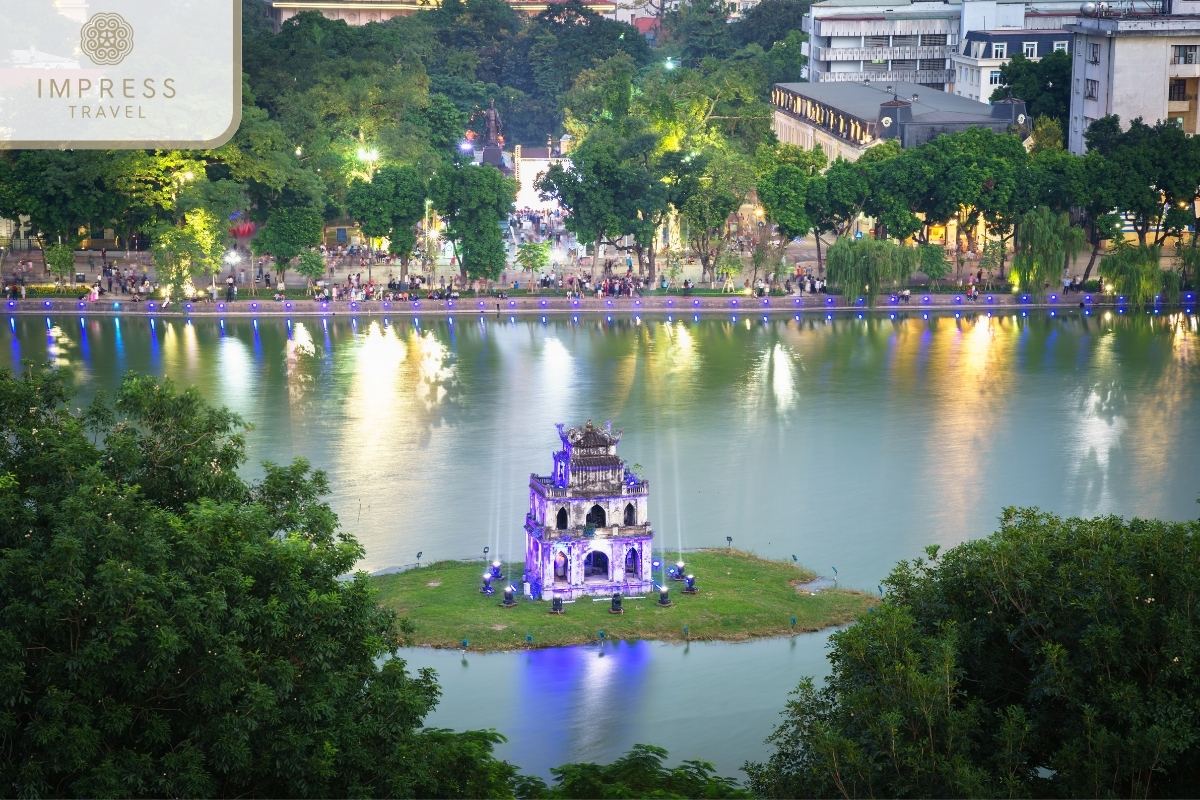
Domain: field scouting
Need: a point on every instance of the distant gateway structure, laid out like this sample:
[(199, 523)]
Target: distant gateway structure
[(587, 531)]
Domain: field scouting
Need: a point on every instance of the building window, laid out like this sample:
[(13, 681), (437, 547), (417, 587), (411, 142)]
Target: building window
[(933, 39), (876, 41), (999, 50), (1177, 91), (933, 63), (1060, 47), (994, 78), (1030, 49), (1183, 54), (904, 65), (1094, 53), (1091, 89)]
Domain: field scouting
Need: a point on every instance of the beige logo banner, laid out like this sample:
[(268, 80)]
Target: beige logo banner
[(106, 39)]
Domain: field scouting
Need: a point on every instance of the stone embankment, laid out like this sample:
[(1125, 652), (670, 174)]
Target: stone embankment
[(551, 304)]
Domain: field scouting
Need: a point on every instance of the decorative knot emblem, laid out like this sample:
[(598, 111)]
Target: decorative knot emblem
[(106, 38)]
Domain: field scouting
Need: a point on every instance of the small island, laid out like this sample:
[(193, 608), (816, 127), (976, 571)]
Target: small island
[(740, 597)]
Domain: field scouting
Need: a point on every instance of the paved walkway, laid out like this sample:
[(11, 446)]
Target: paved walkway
[(657, 304)]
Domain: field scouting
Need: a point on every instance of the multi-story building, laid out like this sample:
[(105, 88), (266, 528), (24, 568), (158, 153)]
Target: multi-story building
[(882, 40), (847, 118), (981, 54), (1135, 65), (918, 41)]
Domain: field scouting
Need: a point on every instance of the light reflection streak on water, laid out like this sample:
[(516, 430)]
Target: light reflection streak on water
[(876, 454)]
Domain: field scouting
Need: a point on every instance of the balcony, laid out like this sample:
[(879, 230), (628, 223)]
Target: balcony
[(918, 76), (882, 53), (1179, 106)]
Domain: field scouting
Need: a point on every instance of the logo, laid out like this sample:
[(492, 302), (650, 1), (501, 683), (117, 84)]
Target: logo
[(106, 38), (887, 122)]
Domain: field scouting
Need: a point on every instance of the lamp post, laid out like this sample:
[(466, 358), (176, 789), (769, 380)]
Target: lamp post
[(419, 552)]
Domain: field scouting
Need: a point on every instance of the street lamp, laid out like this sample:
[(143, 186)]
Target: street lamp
[(668, 64), (368, 157)]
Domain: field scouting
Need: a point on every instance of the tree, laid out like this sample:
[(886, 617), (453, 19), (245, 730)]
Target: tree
[(769, 22), (61, 191), (1050, 659), (390, 205), (932, 260), (725, 180), (197, 637), (638, 773), (311, 266), (1047, 135), (1134, 272), (703, 29), (287, 232), (60, 260), (191, 246), (533, 256), (1044, 85), (1046, 242), (863, 267), (473, 201)]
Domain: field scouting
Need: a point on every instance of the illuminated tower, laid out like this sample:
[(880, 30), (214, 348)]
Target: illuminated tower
[(587, 531)]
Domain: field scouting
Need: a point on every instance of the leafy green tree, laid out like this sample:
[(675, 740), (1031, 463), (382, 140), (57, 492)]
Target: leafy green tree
[(194, 246), (533, 256), (725, 181), (287, 232), (865, 267), (61, 191), (195, 637), (701, 28), (311, 266), (474, 201), (1051, 659), (390, 205), (1044, 85), (60, 260), (639, 773), (1134, 271), (932, 260), (1047, 135), (1046, 242), (769, 22)]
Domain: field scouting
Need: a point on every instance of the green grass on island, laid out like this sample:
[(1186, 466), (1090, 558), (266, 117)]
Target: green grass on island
[(741, 597)]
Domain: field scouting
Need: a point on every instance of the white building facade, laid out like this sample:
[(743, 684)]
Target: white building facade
[(1134, 66), (917, 42)]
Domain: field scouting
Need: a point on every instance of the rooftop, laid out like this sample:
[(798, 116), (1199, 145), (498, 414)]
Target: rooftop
[(863, 100)]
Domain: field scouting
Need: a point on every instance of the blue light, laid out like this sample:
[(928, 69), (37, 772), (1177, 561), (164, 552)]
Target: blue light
[(1053, 298), (893, 316), (1053, 313), (733, 317), (797, 318), (990, 298), (288, 306), (670, 302), (610, 319), (958, 298), (829, 301), (254, 306), (670, 318), (80, 304), (188, 306), (765, 317), (925, 299), (1024, 298), (46, 303), (695, 303), (573, 319), (116, 305), (543, 320), (925, 316), (733, 303), (695, 318), (829, 317), (1087, 298)]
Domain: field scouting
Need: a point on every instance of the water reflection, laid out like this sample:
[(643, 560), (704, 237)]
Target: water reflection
[(712, 701), (847, 442)]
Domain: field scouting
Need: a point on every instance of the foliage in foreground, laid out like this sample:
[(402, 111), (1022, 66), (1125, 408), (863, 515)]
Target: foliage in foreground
[(638, 773), (1054, 659), (169, 629)]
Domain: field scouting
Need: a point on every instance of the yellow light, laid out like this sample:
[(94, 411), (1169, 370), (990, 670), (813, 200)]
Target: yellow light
[(189, 175)]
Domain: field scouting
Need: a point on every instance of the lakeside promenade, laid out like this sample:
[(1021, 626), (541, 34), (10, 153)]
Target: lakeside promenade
[(559, 305)]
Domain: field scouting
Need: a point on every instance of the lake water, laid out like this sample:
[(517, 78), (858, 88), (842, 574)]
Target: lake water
[(848, 443)]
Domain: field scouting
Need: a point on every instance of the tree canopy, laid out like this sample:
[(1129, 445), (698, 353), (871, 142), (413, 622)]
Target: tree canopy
[(168, 628), (1052, 659)]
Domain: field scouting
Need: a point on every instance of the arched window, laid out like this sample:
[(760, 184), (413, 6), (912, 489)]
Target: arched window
[(561, 521), (630, 514), (560, 566), (595, 565), (632, 562), (596, 516)]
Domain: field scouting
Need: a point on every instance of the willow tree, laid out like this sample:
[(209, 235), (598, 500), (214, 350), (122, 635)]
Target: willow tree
[(1045, 243), (1135, 272), (863, 267)]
